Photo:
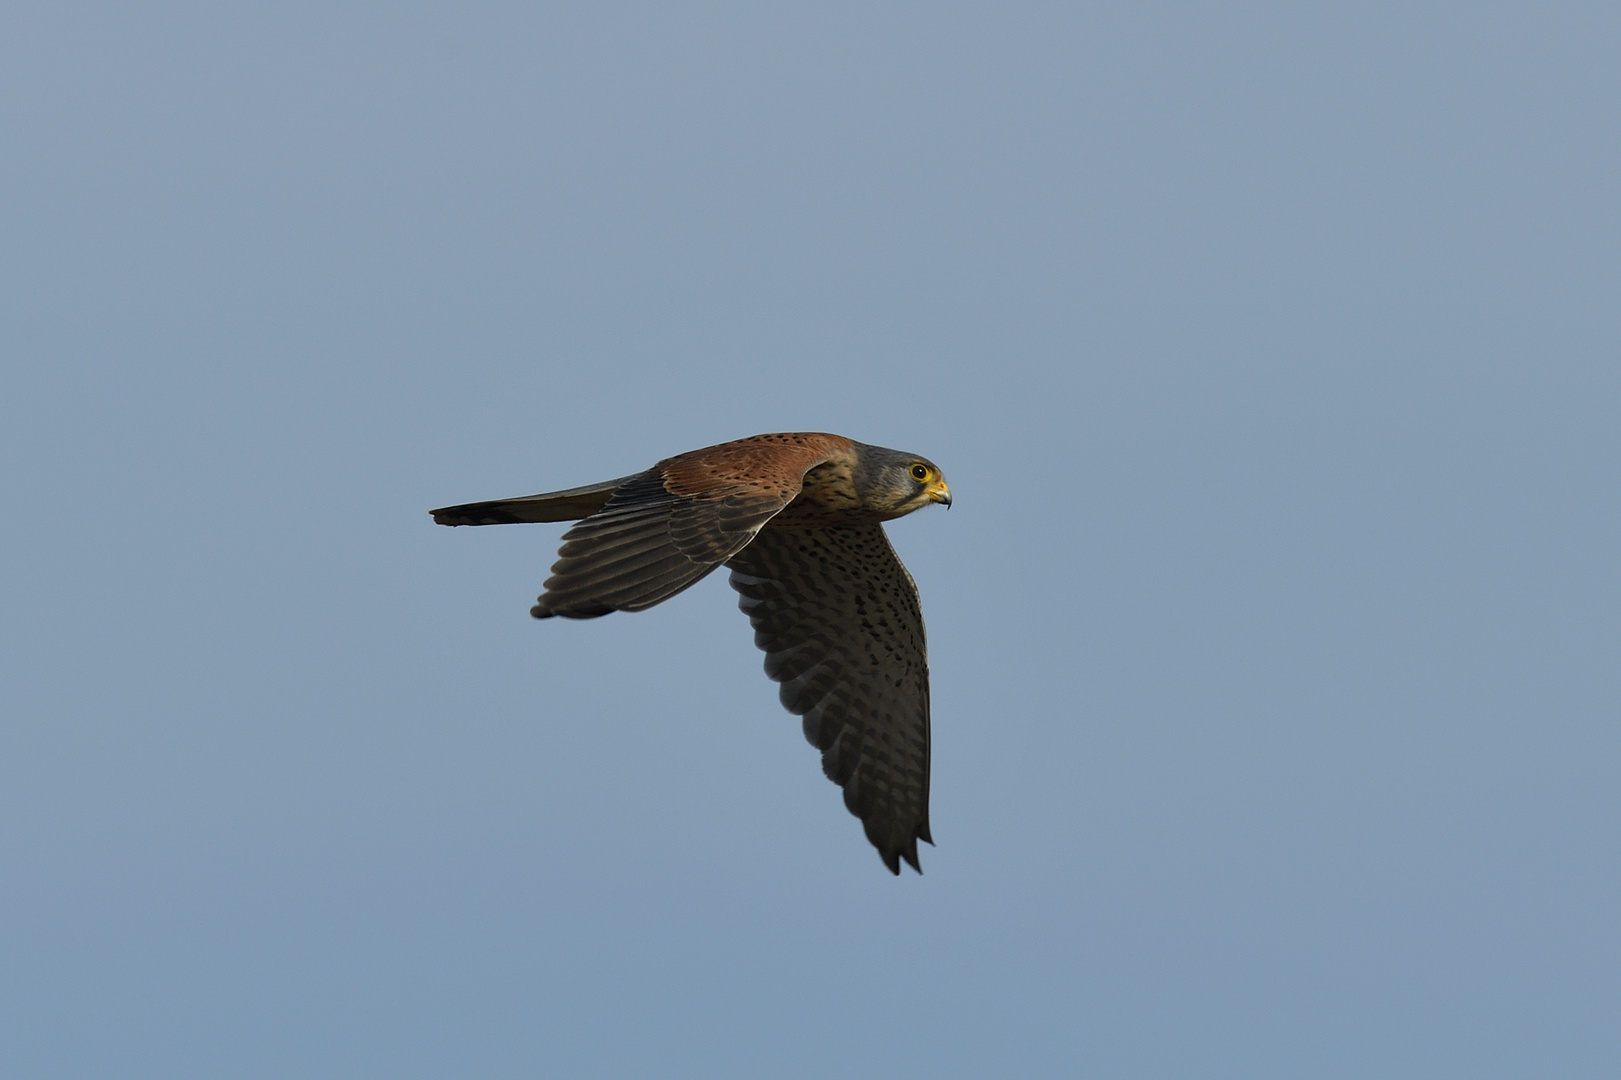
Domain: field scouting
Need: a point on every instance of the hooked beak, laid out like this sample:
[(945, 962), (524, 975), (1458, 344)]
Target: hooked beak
[(940, 493)]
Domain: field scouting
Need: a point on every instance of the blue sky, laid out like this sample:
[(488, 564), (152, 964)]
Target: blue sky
[(1273, 354)]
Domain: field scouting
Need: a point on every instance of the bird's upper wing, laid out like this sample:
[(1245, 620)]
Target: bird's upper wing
[(662, 530), (838, 617)]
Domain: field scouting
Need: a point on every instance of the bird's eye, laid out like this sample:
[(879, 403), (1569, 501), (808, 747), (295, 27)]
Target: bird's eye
[(920, 472)]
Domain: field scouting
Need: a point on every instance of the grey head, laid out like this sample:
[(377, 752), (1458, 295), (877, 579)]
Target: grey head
[(894, 483)]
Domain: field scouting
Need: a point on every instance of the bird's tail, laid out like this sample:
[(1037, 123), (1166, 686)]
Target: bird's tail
[(570, 505)]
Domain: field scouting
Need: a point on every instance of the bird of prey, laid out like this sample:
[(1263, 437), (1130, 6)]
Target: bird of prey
[(796, 517)]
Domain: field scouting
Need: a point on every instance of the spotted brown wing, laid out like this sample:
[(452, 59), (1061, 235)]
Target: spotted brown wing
[(664, 529), (837, 616)]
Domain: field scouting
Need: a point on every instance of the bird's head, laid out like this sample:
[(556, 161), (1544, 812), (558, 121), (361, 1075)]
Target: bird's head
[(894, 483)]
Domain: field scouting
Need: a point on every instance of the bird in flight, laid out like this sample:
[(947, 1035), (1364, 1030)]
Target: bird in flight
[(797, 519)]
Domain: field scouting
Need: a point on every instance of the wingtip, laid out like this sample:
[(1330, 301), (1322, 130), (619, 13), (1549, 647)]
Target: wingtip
[(893, 858), (543, 610)]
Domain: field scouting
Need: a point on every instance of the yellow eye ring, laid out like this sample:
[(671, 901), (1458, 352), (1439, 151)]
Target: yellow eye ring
[(920, 472)]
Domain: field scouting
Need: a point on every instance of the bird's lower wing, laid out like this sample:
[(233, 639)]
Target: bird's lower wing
[(838, 618)]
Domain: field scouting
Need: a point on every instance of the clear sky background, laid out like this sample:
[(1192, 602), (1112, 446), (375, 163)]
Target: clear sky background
[(1272, 351)]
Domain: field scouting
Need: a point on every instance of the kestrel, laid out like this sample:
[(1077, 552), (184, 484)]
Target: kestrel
[(797, 518)]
